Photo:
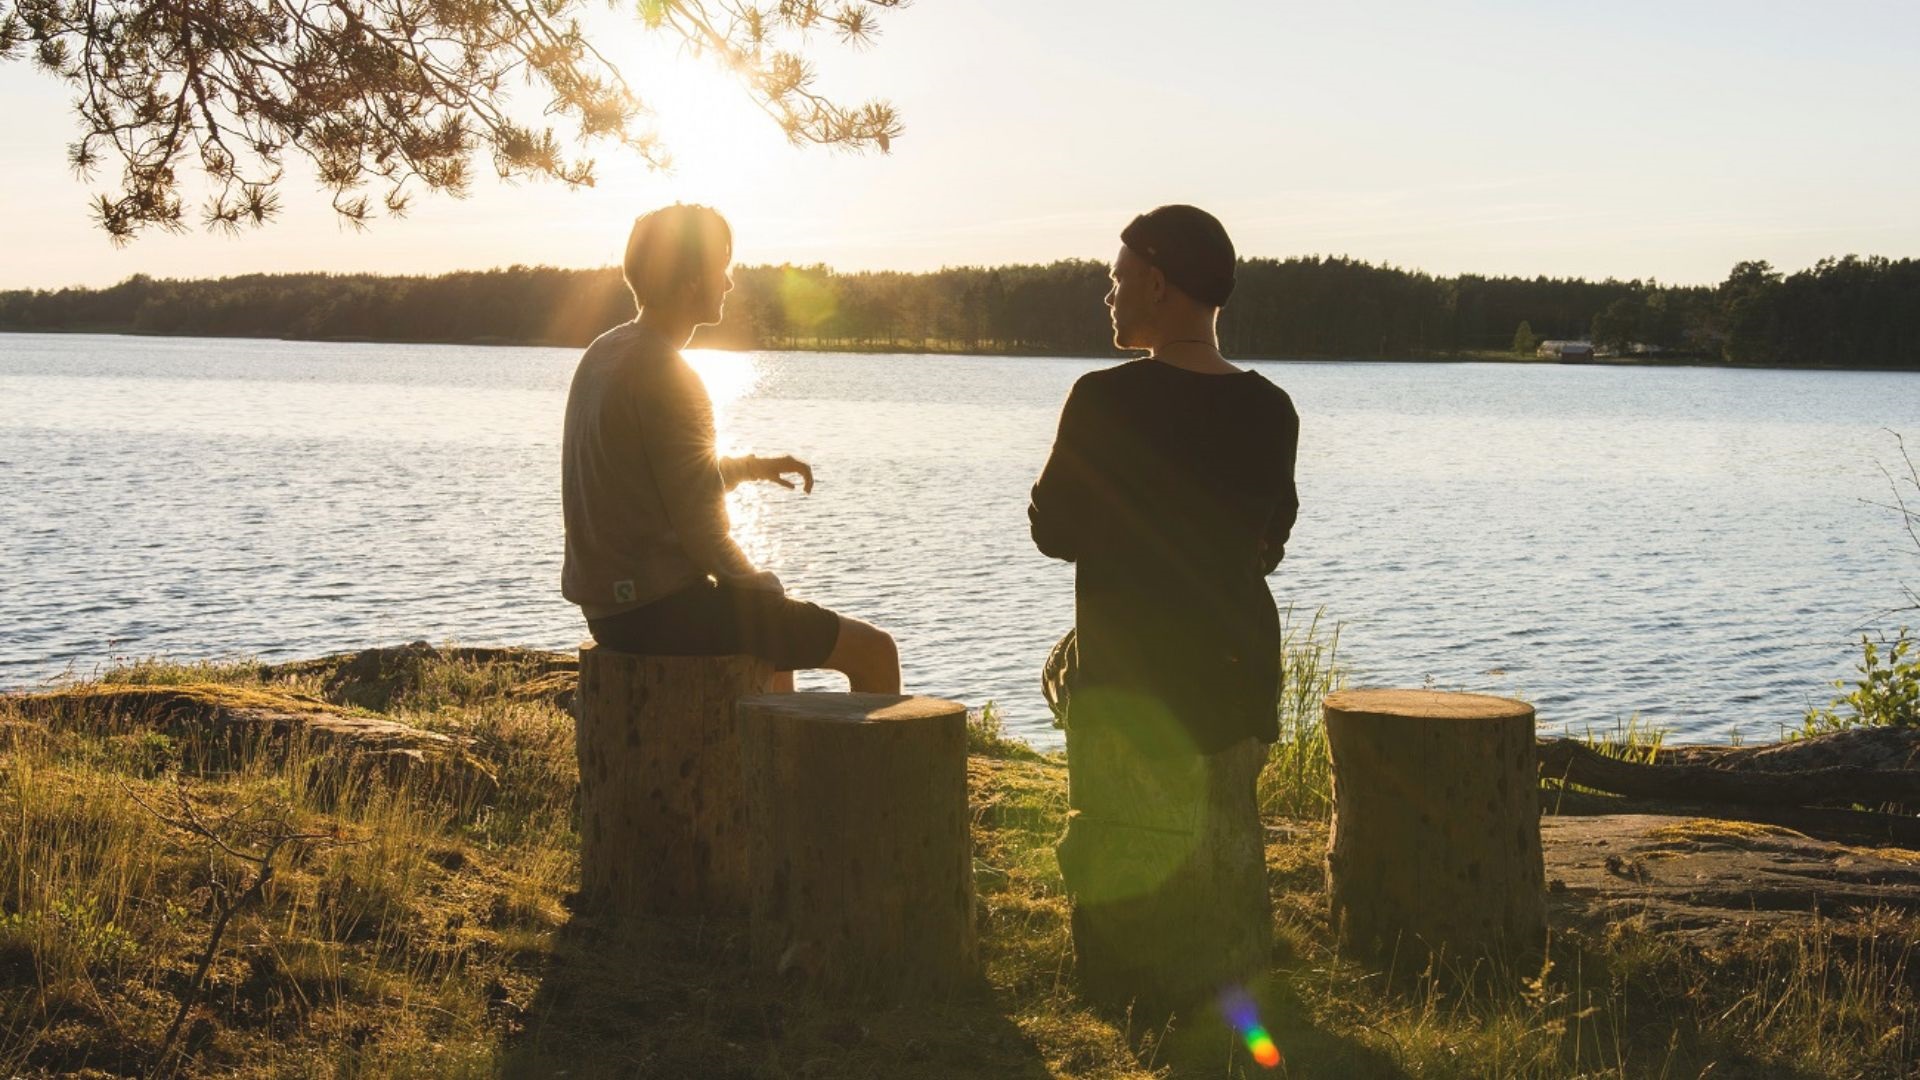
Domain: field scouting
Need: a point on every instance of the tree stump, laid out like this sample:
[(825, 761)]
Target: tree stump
[(860, 862), (1435, 849), (662, 814)]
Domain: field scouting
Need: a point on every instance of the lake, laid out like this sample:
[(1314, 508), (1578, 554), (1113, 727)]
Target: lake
[(1692, 546)]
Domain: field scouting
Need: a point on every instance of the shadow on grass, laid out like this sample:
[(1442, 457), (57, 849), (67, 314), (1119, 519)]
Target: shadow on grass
[(1205, 1043), (677, 999)]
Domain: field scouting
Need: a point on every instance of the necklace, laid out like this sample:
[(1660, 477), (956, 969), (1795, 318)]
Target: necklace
[(1159, 353)]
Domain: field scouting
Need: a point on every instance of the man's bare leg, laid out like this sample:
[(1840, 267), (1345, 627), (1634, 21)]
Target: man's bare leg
[(867, 656)]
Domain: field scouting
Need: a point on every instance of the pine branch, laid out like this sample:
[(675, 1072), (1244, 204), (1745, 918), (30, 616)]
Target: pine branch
[(391, 93)]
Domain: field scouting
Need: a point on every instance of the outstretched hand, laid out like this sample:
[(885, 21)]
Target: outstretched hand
[(775, 470)]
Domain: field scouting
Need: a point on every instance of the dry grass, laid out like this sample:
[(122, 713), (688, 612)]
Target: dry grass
[(431, 935)]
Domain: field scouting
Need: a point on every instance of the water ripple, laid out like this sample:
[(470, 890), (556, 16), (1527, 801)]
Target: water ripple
[(1691, 546)]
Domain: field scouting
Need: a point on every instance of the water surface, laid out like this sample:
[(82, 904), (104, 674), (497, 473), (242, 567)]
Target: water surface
[(1694, 546)]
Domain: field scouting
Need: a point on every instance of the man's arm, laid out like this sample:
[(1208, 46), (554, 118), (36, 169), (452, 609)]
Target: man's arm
[(676, 435), (1286, 511), (1057, 511), (736, 470)]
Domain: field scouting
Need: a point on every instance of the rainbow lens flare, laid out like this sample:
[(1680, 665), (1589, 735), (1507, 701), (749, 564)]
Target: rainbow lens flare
[(1237, 1006)]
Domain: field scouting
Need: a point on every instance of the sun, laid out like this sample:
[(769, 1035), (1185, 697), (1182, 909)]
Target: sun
[(721, 145)]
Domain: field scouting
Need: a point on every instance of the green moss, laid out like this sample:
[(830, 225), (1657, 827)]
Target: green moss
[(1717, 829)]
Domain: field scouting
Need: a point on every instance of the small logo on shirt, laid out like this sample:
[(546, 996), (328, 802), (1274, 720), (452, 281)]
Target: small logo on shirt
[(623, 592)]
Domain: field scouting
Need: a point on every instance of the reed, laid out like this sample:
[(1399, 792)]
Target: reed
[(1297, 781)]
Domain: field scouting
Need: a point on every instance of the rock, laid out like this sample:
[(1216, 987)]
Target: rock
[(379, 678), (1710, 879), (372, 678), (217, 726)]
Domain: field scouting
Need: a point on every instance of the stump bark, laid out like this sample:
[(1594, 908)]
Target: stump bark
[(861, 867), (662, 812), (1435, 848)]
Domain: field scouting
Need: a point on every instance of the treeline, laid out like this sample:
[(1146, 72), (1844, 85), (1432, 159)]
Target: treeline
[(1849, 312)]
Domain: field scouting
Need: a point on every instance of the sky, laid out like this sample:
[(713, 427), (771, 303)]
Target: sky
[(1633, 140)]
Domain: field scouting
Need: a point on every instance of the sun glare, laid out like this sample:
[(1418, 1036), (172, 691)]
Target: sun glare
[(724, 149), (729, 376)]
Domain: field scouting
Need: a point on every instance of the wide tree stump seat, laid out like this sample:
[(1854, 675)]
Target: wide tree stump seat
[(662, 812), (1435, 848), (860, 868)]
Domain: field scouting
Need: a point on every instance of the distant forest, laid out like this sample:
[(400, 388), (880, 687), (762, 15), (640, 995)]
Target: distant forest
[(1850, 312)]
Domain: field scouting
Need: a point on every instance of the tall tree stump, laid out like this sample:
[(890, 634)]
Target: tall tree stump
[(662, 813), (861, 868), (1435, 849)]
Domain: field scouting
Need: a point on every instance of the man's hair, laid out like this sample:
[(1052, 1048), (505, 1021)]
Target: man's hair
[(670, 246), (1189, 246)]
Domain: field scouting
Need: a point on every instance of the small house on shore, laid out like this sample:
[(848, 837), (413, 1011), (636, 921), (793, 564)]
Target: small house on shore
[(1567, 352)]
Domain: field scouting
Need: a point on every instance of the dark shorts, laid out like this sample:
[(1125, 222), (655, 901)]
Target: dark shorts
[(712, 620)]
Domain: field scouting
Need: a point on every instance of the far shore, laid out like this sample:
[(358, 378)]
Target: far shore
[(1470, 356)]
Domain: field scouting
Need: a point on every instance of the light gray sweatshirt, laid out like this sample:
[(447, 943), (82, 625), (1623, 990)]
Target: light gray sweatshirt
[(643, 493)]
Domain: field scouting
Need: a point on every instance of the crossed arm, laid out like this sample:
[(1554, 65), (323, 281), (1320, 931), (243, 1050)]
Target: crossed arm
[(1061, 509), (1273, 544), (1058, 505)]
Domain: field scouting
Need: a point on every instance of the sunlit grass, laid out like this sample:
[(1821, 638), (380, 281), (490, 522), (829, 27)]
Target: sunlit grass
[(431, 934), (1298, 779)]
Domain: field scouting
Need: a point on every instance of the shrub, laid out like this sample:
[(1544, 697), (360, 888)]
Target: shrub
[(1888, 693)]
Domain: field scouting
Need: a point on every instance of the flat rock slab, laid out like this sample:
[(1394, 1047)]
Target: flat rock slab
[(216, 724), (1708, 878)]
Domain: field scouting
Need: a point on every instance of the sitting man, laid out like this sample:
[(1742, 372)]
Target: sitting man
[(1170, 488), (648, 555)]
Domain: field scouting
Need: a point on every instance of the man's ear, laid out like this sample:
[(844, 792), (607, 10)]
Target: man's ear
[(1156, 284)]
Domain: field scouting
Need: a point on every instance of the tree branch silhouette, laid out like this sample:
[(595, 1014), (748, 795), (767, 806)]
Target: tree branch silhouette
[(391, 95), (254, 844)]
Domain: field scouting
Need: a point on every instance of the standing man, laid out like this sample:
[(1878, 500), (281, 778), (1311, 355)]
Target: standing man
[(649, 557), (1171, 490)]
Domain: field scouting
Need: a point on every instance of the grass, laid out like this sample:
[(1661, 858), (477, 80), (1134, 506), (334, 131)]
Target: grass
[(429, 932), (1632, 739), (1298, 779)]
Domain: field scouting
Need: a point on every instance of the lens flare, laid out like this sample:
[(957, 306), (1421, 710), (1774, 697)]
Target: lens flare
[(1238, 1007)]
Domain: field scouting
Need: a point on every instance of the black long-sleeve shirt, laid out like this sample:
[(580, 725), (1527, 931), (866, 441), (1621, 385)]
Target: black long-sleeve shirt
[(1173, 494)]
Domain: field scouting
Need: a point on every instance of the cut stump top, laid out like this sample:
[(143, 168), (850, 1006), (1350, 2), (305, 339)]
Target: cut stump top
[(598, 651), (1425, 705), (850, 708)]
